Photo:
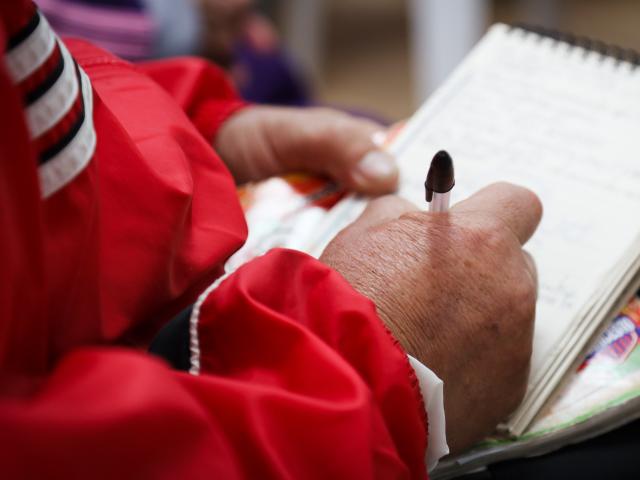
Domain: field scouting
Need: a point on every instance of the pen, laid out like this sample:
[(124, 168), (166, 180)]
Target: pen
[(439, 183)]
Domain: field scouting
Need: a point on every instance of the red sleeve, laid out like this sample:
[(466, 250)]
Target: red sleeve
[(298, 376), (21, 253), (298, 379), (167, 209), (310, 372), (201, 88)]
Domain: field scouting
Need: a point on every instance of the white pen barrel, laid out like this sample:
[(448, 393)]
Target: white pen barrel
[(439, 202)]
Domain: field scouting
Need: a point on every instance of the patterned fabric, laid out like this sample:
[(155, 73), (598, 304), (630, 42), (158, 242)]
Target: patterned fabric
[(58, 102)]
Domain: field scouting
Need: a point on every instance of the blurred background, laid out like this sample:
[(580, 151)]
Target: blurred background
[(380, 58), (368, 57)]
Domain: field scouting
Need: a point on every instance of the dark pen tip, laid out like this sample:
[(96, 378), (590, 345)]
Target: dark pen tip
[(440, 178)]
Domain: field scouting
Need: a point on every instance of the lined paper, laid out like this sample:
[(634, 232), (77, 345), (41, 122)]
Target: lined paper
[(565, 123)]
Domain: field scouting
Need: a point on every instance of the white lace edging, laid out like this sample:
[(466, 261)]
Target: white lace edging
[(194, 341)]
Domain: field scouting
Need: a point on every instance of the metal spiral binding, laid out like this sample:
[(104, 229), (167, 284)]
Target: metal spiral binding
[(589, 44)]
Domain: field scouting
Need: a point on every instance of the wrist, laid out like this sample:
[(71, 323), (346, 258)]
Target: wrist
[(398, 320)]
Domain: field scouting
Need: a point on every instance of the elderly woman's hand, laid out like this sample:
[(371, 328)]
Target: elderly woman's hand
[(459, 293), (259, 142)]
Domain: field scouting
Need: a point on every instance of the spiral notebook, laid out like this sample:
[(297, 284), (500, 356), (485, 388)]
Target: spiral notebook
[(560, 115)]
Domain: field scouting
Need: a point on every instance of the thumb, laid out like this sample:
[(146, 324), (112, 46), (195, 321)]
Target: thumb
[(359, 161), (374, 172)]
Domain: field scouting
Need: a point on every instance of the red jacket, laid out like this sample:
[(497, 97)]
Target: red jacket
[(298, 377)]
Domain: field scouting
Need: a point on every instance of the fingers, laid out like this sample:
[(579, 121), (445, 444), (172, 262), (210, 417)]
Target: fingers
[(358, 160), (519, 208), (374, 173), (382, 210), (379, 138), (328, 142)]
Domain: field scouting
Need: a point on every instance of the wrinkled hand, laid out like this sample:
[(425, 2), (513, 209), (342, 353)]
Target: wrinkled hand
[(260, 142), (458, 292)]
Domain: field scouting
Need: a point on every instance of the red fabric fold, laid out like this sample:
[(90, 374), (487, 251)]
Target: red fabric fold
[(300, 378), (325, 382), (202, 90)]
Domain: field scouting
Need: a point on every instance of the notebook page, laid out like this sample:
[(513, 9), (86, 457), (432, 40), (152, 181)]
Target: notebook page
[(561, 121)]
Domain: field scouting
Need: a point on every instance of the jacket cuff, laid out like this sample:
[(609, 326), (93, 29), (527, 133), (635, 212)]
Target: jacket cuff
[(213, 113), (432, 389)]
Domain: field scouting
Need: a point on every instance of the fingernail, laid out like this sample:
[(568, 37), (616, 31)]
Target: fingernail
[(377, 165), (378, 138)]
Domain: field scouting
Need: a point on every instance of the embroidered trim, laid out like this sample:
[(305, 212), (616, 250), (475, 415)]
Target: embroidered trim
[(194, 341), (29, 55), (68, 163)]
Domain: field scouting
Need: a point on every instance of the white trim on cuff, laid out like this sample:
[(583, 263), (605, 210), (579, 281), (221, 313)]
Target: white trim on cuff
[(432, 389)]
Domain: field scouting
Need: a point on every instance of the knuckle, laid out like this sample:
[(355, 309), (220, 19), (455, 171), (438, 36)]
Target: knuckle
[(324, 115), (523, 297), (532, 201), (502, 185), (325, 125), (490, 233), (315, 136), (416, 217), (525, 196)]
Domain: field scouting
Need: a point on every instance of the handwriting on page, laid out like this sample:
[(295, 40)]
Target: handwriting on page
[(561, 125)]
